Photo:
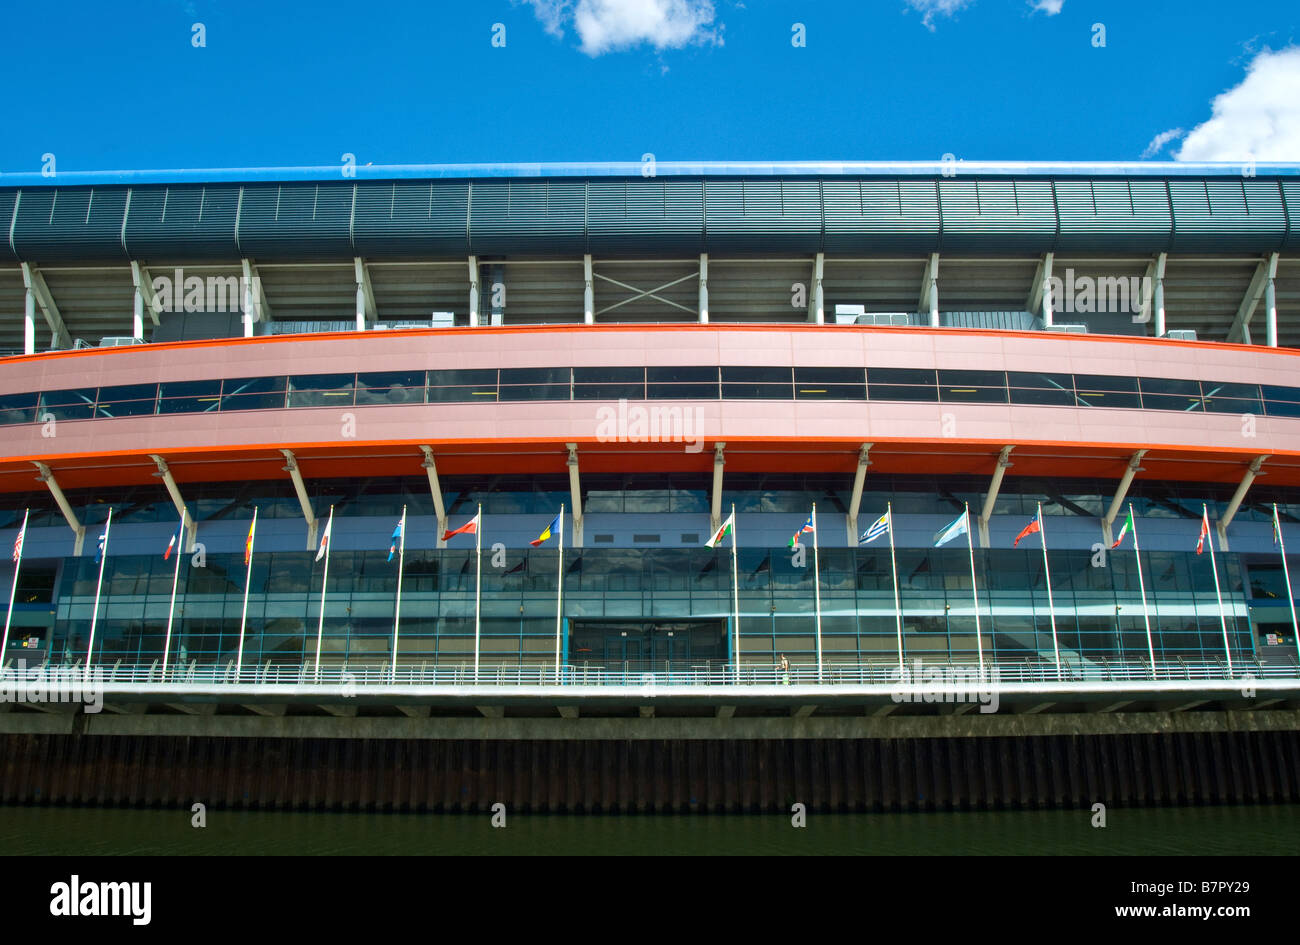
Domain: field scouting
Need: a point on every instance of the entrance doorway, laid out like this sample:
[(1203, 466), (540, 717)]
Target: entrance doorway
[(648, 646)]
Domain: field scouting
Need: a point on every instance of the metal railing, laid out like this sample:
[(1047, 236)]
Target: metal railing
[(879, 674)]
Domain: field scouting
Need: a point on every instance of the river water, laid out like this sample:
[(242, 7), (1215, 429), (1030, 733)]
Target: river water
[(1255, 830)]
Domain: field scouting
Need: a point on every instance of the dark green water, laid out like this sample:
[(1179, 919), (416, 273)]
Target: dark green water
[(1265, 830)]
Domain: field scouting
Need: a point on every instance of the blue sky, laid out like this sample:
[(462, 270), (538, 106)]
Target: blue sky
[(109, 86)]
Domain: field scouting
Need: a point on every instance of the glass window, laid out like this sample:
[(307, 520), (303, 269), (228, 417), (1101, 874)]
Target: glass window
[(535, 383), (609, 383), (188, 396), (811, 383), (76, 404), (1231, 398), (468, 386), (985, 387), (17, 408), (757, 383), (877, 375), (128, 400), (1032, 387), (1099, 390), (321, 390), (391, 387), (253, 393), (682, 383), (1162, 393)]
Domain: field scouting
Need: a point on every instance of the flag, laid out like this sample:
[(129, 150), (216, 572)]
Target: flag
[(18, 542), (807, 527), (325, 537), (397, 537), (176, 540), (548, 531), (1033, 526), (1128, 526), (722, 532), (958, 526), (469, 528), (1205, 530), (1275, 532), (879, 527), (248, 542), (520, 568), (99, 548)]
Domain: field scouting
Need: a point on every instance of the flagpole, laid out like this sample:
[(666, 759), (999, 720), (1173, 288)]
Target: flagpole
[(478, 582), (171, 610), (325, 578), (1047, 577), (893, 566), (1286, 575), (248, 580), (397, 611), (979, 637), (94, 616), (735, 589), (13, 588), (559, 597), (817, 593), (1223, 617), (1142, 586)]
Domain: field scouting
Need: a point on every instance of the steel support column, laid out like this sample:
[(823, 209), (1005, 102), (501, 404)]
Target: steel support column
[(855, 502), (1134, 467), (1237, 497), (715, 503), (435, 489), (79, 530), (995, 486), (165, 474), (575, 494), (301, 488)]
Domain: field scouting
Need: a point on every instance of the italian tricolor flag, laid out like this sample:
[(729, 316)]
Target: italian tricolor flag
[(1128, 527), (722, 532)]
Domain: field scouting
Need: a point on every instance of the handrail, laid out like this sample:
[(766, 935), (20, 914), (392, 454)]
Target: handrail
[(921, 674)]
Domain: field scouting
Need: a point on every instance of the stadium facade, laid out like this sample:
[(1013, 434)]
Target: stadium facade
[(972, 350)]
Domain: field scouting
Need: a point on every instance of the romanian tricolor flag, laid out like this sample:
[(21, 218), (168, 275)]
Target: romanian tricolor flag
[(548, 531), (248, 542), (469, 528), (722, 532)]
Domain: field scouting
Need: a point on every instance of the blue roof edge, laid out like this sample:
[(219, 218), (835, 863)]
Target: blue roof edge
[(662, 169)]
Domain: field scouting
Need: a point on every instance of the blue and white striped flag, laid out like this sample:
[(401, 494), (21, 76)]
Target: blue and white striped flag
[(958, 527), (880, 526)]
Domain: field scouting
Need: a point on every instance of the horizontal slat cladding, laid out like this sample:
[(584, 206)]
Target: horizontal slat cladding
[(296, 220), (1113, 215), (875, 215), (1291, 204), (7, 200), (410, 219), (638, 216), (183, 220), (70, 223), (1229, 213), (996, 214), (766, 216), (547, 217)]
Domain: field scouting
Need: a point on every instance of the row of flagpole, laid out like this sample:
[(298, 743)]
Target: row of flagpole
[(883, 525)]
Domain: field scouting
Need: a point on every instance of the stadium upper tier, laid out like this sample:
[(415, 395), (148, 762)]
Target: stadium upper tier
[(1156, 250)]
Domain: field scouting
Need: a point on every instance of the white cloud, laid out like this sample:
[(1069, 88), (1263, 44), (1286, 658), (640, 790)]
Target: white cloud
[(1258, 118), (1050, 7), (929, 9), (608, 25), (1159, 141)]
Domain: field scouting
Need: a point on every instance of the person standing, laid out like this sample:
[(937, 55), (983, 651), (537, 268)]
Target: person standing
[(785, 670)]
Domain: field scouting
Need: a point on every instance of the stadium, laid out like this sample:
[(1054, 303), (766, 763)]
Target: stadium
[(765, 445)]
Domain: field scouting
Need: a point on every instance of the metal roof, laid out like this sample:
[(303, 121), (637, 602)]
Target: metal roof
[(760, 213)]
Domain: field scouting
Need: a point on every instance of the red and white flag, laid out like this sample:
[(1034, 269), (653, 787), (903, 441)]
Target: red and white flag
[(469, 528), (18, 542), (1205, 530)]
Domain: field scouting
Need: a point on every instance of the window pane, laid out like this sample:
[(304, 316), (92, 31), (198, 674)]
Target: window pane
[(609, 391), (759, 375), (1106, 391), (390, 387), (1165, 385), (17, 408), (127, 400), (1105, 382), (1042, 396), (901, 392), (682, 375), (253, 393), (1291, 394), (446, 395), (535, 376), (534, 391), (615, 375), (475, 378), (900, 376), (321, 390), (688, 391), (1231, 398), (1033, 379), (69, 404), (756, 391)]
